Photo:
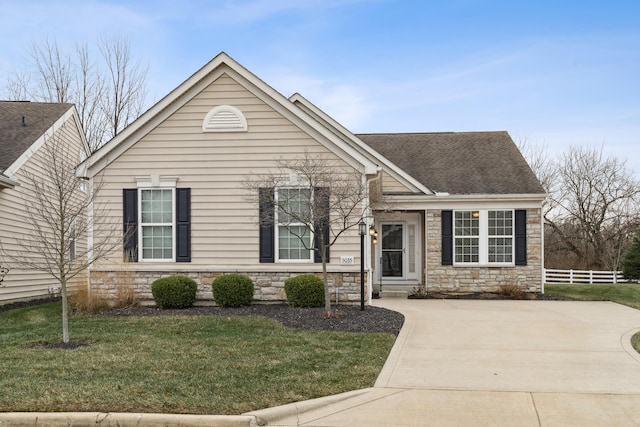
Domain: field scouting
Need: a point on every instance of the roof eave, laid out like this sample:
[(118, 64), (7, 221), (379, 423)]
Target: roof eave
[(6, 182), (445, 197)]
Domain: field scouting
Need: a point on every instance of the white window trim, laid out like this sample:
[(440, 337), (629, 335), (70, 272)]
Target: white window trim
[(277, 228), (483, 239), (157, 182)]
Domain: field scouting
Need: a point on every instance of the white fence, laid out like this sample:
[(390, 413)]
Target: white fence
[(582, 276)]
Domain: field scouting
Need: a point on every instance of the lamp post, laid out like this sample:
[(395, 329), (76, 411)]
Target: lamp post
[(362, 229)]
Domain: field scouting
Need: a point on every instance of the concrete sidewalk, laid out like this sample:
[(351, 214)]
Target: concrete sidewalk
[(494, 363)]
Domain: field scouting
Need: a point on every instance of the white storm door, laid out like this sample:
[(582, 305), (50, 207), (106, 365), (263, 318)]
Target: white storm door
[(393, 251)]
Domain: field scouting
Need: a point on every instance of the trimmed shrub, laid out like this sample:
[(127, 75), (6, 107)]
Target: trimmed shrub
[(232, 290), (174, 292), (306, 290)]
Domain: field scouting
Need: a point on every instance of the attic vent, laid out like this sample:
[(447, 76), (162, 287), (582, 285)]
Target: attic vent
[(224, 118)]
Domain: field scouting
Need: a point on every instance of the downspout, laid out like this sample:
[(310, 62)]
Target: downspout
[(90, 230), (542, 249)]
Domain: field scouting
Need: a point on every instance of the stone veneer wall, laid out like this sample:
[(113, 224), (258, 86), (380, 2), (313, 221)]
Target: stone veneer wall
[(448, 278), (269, 286)]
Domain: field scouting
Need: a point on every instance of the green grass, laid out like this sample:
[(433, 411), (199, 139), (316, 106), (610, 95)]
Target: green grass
[(622, 293), (182, 364)]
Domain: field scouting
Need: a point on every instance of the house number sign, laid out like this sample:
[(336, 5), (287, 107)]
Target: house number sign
[(347, 260)]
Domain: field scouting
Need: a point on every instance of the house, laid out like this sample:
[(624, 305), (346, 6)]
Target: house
[(453, 211), (27, 129)]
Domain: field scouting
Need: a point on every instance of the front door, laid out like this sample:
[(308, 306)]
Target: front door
[(393, 251), (398, 253)]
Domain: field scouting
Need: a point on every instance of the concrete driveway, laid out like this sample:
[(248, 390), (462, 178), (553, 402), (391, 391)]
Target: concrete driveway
[(524, 363)]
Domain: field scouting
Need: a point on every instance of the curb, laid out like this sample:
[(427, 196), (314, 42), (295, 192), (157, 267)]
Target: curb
[(296, 409), (116, 419)]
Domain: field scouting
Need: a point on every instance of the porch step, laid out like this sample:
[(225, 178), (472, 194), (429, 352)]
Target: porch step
[(391, 291)]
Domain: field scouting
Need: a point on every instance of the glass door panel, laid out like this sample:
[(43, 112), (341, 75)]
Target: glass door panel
[(392, 250)]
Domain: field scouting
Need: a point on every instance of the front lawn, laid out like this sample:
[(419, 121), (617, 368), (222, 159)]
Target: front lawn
[(622, 293), (176, 364)]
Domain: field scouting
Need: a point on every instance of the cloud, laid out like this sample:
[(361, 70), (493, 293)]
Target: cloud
[(346, 103)]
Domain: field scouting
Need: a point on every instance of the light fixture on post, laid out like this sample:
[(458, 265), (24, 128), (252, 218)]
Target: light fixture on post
[(362, 229)]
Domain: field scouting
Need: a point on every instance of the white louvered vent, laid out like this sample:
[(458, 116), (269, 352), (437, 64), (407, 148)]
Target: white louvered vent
[(224, 118)]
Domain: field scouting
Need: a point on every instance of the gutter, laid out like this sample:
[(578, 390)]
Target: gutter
[(445, 197)]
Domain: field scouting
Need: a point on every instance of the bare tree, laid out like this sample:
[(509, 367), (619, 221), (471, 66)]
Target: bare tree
[(90, 88), (108, 94), (313, 199), (543, 167), (59, 208), (125, 88), (594, 206)]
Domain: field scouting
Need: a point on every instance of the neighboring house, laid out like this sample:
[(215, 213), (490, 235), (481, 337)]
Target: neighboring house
[(454, 211), (25, 130)]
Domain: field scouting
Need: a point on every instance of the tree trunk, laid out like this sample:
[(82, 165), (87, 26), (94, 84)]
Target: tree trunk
[(65, 311), (325, 279)]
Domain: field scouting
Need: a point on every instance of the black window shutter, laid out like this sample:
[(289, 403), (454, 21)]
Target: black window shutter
[(266, 211), (447, 237), (521, 237), (321, 195), (130, 224), (183, 225)]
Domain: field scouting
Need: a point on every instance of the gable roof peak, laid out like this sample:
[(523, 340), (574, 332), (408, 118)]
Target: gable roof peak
[(219, 65)]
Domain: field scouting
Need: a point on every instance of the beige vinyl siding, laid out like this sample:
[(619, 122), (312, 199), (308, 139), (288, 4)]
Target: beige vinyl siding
[(224, 215), (26, 284), (390, 185)]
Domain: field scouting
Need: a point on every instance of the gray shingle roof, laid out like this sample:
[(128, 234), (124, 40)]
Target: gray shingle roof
[(459, 162), (16, 138)]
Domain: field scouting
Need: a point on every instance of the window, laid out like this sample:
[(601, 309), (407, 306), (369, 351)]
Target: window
[(501, 236), (285, 217), (294, 236), (467, 236), (156, 223), (483, 237), (157, 219)]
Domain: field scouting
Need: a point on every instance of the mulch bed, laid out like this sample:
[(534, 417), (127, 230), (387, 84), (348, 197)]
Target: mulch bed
[(344, 318)]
